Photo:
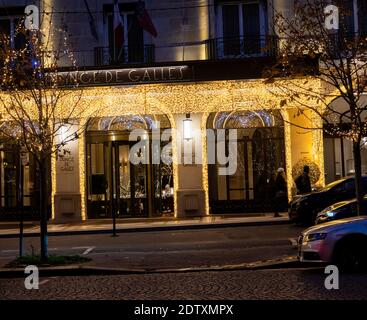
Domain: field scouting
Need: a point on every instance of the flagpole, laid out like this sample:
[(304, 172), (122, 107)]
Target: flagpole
[(114, 32), (126, 37), (123, 30), (114, 38), (184, 38)]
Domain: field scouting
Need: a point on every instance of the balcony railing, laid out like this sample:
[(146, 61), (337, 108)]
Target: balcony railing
[(105, 56), (242, 47), (218, 48)]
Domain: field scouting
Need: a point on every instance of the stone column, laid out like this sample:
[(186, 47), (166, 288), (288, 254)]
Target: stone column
[(67, 198), (306, 143), (190, 194), (288, 153)]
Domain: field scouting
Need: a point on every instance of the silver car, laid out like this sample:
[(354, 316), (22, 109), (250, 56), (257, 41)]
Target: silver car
[(342, 242)]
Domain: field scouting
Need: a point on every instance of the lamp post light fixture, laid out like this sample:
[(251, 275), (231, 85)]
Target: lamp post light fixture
[(187, 128)]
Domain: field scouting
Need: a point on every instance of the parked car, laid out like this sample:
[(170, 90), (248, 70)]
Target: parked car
[(340, 210), (341, 242), (303, 209)]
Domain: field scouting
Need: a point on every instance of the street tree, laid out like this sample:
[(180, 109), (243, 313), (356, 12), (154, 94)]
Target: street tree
[(33, 108), (317, 42)]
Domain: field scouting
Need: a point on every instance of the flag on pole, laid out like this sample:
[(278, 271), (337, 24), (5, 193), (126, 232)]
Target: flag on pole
[(144, 19), (92, 23), (118, 26)]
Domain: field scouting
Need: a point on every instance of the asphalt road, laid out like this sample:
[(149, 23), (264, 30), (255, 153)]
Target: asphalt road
[(170, 249), (219, 285)]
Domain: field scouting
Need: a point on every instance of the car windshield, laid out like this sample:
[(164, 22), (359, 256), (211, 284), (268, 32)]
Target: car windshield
[(332, 184)]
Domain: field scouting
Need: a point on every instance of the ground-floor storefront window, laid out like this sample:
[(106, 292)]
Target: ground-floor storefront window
[(338, 158), (115, 185), (338, 150), (260, 153), (19, 188)]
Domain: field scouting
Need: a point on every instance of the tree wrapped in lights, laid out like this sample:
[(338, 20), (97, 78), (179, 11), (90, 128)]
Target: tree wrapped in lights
[(313, 45), (32, 110)]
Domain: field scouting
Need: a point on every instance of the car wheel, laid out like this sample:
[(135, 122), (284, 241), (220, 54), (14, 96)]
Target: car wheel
[(351, 255)]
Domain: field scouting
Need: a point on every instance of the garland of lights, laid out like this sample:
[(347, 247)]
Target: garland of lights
[(171, 99)]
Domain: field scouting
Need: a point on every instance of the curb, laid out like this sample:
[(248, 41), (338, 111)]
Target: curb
[(151, 229), (85, 270)]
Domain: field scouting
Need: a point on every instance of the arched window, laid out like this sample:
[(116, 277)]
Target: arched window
[(245, 119), (128, 123), (260, 152)]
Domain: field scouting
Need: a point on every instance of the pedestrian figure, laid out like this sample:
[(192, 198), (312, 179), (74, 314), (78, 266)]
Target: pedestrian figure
[(303, 182), (280, 192)]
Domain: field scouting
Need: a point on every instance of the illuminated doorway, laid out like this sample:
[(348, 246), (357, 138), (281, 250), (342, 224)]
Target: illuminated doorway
[(117, 186)]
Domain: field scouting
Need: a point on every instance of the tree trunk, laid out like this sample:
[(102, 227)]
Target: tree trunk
[(19, 182), (358, 176), (43, 206)]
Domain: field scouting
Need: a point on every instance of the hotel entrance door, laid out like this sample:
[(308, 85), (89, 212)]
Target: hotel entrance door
[(121, 187), (117, 186), (129, 184)]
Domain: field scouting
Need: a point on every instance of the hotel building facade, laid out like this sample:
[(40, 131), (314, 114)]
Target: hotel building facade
[(205, 66)]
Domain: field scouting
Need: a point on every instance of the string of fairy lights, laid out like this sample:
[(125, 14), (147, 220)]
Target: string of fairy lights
[(174, 99), (202, 98)]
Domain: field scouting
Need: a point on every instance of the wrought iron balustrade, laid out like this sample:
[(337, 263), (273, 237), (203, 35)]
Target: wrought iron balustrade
[(242, 47)]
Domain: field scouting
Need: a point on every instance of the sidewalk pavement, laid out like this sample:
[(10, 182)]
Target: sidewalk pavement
[(104, 226)]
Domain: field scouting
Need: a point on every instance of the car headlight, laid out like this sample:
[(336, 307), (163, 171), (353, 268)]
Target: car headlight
[(330, 214), (315, 236)]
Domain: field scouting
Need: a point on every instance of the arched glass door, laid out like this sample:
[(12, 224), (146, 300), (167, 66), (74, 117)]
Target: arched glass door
[(117, 186), (260, 152)]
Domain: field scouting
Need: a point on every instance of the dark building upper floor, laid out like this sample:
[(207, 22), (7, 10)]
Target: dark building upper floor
[(164, 31), (154, 30)]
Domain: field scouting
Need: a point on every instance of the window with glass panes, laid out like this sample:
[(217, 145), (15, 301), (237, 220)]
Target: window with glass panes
[(8, 27), (241, 26)]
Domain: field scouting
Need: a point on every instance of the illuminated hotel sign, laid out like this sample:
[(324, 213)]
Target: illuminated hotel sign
[(126, 76)]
